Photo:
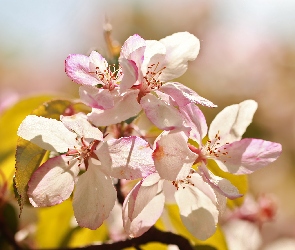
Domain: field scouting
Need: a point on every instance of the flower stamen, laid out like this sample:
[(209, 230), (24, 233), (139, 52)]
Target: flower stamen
[(214, 148), (183, 182), (151, 79), (109, 76), (84, 153)]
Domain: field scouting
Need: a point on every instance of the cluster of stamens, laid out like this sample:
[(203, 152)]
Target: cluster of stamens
[(109, 76), (84, 152), (151, 78), (180, 183), (212, 147)]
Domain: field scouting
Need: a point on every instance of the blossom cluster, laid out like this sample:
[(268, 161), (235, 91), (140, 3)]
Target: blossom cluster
[(91, 152)]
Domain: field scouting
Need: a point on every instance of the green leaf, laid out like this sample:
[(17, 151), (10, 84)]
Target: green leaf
[(28, 155), (9, 123), (28, 158)]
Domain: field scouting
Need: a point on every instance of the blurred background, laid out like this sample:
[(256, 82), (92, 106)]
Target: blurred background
[(247, 52)]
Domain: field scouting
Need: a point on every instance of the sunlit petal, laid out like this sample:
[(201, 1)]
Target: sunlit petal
[(53, 182), (94, 198), (47, 133)]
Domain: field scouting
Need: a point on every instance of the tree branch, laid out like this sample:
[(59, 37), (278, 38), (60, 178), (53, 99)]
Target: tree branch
[(153, 235)]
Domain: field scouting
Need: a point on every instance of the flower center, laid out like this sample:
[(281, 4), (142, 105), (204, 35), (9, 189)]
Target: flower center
[(108, 77), (213, 149), (151, 79), (84, 152), (181, 183)]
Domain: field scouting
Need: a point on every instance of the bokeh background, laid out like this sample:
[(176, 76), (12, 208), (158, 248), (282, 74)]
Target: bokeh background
[(247, 52)]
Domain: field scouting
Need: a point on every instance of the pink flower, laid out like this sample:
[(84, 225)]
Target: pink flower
[(199, 194), (225, 146), (175, 178), (82, 148), (100, 89), (148, 65)]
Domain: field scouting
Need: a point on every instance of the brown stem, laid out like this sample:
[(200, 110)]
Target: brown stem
[(152, 235)]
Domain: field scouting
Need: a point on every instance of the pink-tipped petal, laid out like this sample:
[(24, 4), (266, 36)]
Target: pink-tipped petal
[(77, 68), (97, 98), (130, 71), (248, 155), (126, 106), (184, 95), (221, 185), (143, 206), (164, 116), (129, 157), (181, 47), (94, 198), (47, 133), (131, 45), (173, 159), (130, 59), (232, 122), (53, 182), (195, 119), (97, 63)]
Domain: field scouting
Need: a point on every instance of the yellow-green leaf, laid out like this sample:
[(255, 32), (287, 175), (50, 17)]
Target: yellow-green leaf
[(28, 159), (9, 123)]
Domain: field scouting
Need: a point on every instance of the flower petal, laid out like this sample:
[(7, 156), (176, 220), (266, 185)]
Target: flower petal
[(184, 95), (246, 235), (77, 68), (154, 57), (130, 48), (126, 106), (115, 224), (53, 182), (143, 206), (173, 159), (129, 157), (181, 47), (130, 60), (198, 213), (221, 185), (47, 133), (97, 98), (97, 63), (80, 125), (248, 155), (195, 119), (94, 198), (232, 122), (164, 116), (169, 191)]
